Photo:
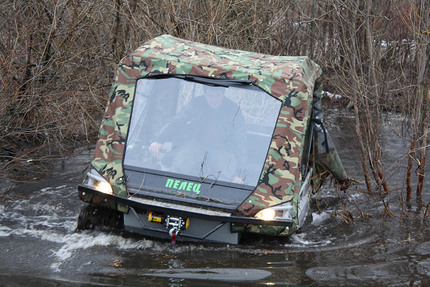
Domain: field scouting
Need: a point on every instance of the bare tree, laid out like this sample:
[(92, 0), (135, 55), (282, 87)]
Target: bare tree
[(57, 59), (420, 111)]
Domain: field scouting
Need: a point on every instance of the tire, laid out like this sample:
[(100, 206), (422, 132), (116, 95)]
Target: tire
[(92, 216)]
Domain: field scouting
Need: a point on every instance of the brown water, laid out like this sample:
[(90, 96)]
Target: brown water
[(40, 247)]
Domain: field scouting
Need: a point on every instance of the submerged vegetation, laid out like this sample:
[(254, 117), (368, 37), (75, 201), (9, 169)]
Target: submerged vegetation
[(57, 59)]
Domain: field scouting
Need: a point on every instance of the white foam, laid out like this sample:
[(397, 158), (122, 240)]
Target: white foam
[(317, 219), (5, 231), (88, 239), (299, 240), (50, 222), (37, 217)]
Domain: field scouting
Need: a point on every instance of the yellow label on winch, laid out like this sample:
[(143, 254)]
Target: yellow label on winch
[(154, 218)]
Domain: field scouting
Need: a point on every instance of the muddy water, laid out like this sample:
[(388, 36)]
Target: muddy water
[(40, 247)]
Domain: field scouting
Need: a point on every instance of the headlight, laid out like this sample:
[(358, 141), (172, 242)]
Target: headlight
[(97, 182), (104, 187), (282, 211), (266, 214)]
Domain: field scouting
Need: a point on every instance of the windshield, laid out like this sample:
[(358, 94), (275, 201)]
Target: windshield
[(211, 132)]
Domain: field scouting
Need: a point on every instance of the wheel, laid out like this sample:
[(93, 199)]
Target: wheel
[(92, 216)]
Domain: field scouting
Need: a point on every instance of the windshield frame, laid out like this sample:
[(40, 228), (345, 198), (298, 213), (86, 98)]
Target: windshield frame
[(214, 82)]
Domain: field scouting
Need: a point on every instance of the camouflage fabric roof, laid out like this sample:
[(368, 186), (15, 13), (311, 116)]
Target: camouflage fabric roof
[(290, 79)]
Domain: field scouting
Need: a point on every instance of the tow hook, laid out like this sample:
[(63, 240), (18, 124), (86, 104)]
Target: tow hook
[(173, 224)]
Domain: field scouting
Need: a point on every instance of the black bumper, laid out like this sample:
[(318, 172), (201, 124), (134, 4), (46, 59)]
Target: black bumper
[(92, 196)]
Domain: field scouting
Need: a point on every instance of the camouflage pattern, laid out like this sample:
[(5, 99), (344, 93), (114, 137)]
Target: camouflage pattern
[(326, 159), (290, 79)]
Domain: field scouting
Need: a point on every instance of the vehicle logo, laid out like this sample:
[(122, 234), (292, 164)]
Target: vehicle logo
[(183, 185)]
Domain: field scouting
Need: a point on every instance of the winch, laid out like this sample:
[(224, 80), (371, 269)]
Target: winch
[(173, 224)]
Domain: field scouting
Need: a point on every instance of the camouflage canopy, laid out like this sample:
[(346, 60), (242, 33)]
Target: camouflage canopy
[(293, 80)]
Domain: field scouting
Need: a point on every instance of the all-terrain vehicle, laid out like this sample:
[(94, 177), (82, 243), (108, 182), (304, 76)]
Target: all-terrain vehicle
[(204, 143)]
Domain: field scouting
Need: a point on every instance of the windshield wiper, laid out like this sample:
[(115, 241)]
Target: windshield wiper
[(205, 80)]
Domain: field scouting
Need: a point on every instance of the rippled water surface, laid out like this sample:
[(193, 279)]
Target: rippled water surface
[(40, 247)]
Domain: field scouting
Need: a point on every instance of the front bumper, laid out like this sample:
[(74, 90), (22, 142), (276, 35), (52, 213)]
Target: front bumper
[(205, 224)]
